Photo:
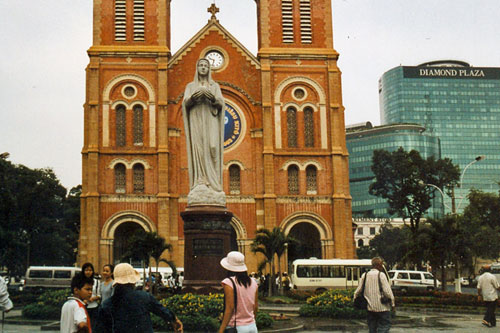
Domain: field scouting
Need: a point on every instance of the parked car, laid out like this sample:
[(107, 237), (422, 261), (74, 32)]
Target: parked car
[(405, 280), (50, 276)]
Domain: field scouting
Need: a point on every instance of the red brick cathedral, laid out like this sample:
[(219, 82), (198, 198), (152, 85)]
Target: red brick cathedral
[(285, 159)]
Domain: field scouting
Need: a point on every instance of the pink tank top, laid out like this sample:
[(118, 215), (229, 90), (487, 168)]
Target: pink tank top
[(246, 301)]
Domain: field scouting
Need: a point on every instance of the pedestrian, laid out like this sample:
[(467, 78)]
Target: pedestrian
[(378, 293), (487, 286), (5, 302), (74, 315), (93, 302), (241, 308), (128, 310), (106, 288)]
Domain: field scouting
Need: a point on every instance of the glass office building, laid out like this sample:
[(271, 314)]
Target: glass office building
[(457, 103), (361, 141)]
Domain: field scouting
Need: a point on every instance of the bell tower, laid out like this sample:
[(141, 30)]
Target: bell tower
[(302, 110), (125, 126)]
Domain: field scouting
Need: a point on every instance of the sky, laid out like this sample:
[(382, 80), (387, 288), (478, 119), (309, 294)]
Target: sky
[(44, 43)]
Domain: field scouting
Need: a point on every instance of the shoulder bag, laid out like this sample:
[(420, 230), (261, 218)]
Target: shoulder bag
[(360, 301), (233, 329)]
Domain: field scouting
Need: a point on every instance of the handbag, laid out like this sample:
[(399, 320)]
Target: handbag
[(360, 301), (383, 299), (233, 329)]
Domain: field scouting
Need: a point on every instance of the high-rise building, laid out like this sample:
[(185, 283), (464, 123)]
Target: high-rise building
[(457, 103), (285, 160), (361, 141)]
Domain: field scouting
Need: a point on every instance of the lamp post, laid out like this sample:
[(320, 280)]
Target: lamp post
[(454, 208)]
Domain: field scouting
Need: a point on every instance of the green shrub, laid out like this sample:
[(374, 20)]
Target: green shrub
[(263, 320), (48, 305), (332, 304), (210, 305), (41, 311)]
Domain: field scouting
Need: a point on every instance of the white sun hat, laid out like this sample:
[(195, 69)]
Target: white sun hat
[(234, 262), (124, 273)]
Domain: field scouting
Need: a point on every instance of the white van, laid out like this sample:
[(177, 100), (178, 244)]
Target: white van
[(50, 276), (405, 280)]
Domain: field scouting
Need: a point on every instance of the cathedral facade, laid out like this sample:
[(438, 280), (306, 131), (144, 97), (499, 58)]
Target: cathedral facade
[(285, 158)]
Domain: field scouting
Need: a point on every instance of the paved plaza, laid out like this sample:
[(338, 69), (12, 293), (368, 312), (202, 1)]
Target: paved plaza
[(407, 322)]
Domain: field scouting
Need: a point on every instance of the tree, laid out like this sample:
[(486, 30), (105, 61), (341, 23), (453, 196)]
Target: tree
[(32, 228), (444, 242), (391, 244), (482, 224), (400, 177), (271, 243), (147, 245)]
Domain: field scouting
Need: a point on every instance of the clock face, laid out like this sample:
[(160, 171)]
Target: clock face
[(216, 59)]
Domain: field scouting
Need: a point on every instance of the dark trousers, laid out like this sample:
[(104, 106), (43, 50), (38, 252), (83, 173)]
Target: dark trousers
[(490, 313), (379, 322)]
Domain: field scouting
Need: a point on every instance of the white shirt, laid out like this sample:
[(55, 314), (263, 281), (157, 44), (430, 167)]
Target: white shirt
[(488, 284), (372, 290), (72, 315), (5, 303)]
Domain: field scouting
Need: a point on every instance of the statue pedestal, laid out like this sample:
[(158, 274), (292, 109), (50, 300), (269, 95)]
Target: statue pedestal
[(207, 235)]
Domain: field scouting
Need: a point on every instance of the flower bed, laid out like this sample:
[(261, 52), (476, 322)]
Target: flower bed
[(332, 304)]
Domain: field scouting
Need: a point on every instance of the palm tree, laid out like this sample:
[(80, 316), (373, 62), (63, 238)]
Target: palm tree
[(271, 243), (149, 245)]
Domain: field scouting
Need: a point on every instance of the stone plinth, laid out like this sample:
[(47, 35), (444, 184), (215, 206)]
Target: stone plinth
[(207, 235)]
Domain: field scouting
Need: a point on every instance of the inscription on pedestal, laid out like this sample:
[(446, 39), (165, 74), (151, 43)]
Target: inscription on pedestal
[(208, 247)]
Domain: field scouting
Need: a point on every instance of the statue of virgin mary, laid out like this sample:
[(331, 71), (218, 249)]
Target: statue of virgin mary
[(203, 114)]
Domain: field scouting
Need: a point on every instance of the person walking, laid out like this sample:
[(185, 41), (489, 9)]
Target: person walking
[(106, 288), (487, 286), (128, 310), (378, 293), (239, 315)]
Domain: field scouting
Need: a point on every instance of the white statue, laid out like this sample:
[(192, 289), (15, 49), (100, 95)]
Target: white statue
[(203, 114)]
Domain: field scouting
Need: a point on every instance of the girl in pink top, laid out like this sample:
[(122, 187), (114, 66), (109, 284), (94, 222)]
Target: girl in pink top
[(246, 292)]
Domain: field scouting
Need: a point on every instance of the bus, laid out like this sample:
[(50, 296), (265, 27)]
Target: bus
[(321, 274)]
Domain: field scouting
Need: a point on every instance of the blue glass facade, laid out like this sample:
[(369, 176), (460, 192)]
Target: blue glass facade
[(458, 104), (362, 141)]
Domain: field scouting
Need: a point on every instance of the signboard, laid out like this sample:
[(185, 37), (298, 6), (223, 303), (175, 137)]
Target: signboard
[(232, 126), (208, 247), (430, 72)]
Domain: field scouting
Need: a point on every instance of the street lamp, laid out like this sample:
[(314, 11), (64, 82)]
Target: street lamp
[(453, 208)]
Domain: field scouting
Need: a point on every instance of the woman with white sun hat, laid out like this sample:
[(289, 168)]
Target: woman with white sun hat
[(240, 295)]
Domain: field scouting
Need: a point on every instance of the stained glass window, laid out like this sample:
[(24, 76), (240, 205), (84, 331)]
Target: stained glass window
[(291, 121), (120, 126), (293, 179), (120, 178), (138, 178), (309, 127), (234, 179), (311, 181), (138, 124)]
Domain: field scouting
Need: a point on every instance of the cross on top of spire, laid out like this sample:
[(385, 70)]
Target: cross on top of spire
[(213, 9)]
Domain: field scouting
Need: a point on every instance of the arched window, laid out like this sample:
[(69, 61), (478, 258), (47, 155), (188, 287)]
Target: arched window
[(291, 122), (311, 181), (121, 126), (234, 179), (138, 125), (120, 178), (293, 179), (360, 243), (138, 178), (309, 127)]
